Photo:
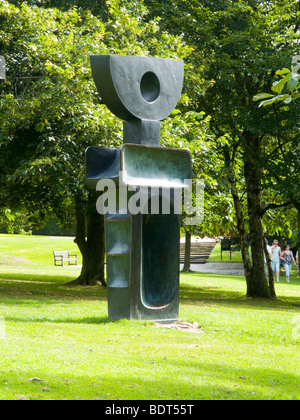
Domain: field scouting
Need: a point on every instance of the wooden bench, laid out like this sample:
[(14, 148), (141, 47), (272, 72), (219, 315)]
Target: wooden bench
[(60, 257)]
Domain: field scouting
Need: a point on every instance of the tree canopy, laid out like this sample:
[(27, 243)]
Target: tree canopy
[(237, 47), (50, 111), (247, 154)]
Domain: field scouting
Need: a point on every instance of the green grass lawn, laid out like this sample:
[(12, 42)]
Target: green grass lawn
[(249, 349), (215, 256), (33, 250)]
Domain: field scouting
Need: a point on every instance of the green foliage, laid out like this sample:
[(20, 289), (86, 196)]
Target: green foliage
[(97, 7), (14, 223), (285, 169), (289, 82), (49, 111), (49, 104), (237, 47)]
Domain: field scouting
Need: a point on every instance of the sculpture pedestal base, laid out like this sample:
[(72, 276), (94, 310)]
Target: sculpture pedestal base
[(143, 266)]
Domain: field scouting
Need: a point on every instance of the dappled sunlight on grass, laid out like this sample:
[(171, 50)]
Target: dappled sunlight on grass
[(231, 290), (61, 334)]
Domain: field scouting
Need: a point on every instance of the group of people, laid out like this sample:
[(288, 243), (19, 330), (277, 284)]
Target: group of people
[(286, 256)]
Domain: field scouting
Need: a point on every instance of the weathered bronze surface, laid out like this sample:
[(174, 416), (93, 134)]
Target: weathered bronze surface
[(142, 250), (140, 88), (154, 166)]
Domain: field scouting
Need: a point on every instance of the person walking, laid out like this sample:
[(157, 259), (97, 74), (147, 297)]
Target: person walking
[(287, 257), (269, 252), (275, 258)]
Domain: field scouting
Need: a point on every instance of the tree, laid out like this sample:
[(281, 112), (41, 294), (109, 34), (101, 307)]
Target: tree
[(96, 7), (50, 111), (49, 115), (236, 46), (286, 90), (190, 130)]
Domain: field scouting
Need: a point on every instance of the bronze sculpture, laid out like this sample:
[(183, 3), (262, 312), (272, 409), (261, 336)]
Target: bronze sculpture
[(142, 248)]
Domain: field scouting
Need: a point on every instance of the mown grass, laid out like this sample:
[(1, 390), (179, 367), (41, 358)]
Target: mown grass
[(249, 349), (215, 256), (33, 250)]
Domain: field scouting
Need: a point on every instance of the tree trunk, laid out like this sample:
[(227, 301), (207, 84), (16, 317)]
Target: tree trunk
[(187, 252), (91, 244), (240, 217), (258, 285), (242, 238), (297, 205), (271, 275)]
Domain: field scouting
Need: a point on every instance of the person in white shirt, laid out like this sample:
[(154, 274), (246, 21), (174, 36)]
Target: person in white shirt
[(269, 252), (275, 258)]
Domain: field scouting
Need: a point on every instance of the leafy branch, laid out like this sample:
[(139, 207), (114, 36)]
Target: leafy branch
[(287, 89)]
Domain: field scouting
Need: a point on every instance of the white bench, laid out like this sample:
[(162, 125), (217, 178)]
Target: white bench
[(64, 256)]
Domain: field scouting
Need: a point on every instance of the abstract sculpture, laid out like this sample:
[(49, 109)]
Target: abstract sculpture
[(142, 249)]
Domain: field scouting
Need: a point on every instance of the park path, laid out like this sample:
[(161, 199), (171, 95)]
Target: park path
[(200, 252), (234, 268)]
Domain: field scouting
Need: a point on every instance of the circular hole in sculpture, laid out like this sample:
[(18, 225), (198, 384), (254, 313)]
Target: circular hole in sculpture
[(150, 87)]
